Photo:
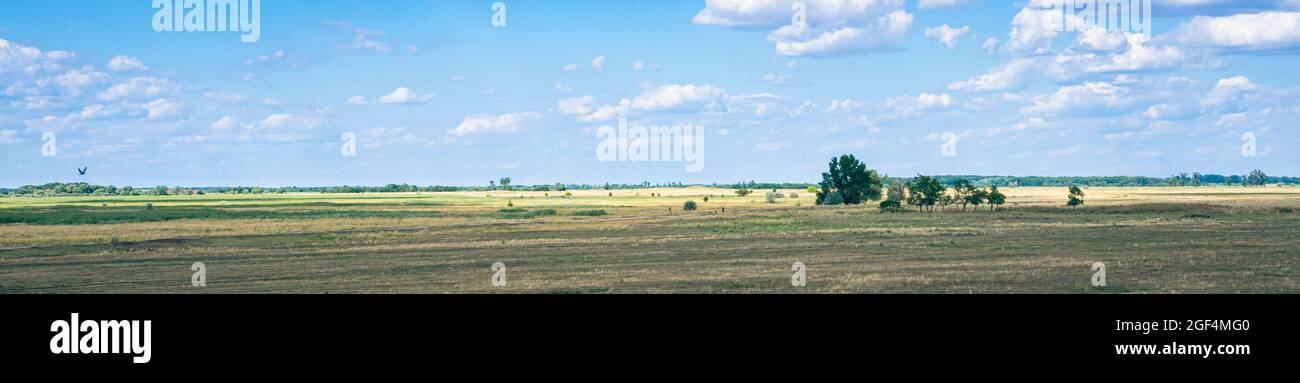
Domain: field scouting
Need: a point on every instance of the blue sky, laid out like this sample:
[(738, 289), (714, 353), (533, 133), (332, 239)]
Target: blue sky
[(436, 94)]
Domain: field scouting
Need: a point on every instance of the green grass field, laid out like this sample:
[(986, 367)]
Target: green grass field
[(1152, 240)]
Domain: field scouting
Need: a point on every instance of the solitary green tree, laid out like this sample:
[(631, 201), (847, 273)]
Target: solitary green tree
[(1257, 178), (1076, 197), (851, 179)]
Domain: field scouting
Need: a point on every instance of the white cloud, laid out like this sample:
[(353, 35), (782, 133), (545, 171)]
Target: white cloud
[(399, 96), (1035, 27), (674, 97), (1087, 99), (72, 81), (990, 45), (919, 103), (489, 123), (947, 35), (96, 111), (123, 63), (1006, 77), (225, 122), (570, 68), (1228, 90), (162, 107), (845, 105), (598, 64), (576, 105), (939, 4), (139, 87), (1242, 32), (833, 27), (885, 34), (27, 60)]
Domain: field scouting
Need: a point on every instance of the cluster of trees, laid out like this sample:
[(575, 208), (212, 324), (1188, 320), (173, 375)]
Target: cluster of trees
[(77, 189), (849, 182)]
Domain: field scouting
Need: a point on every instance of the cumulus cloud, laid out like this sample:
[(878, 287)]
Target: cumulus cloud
[(902, 105), (672, 98), (1087, 99), (74, 80), (940, 4), (490, 123), (1228, 90), (18, 58), (598, 64), (678, 98), (139, 87), (947, 35), (122, 63), (225, 122), (831, 27), (1265, 31), (1009, 76), (163, 107), (399, 96)]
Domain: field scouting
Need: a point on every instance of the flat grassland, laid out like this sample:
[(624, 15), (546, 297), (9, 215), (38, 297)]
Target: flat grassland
[(1152, 240)]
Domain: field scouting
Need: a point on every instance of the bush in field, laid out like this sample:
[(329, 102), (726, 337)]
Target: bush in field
[(896, 191), (706, 198), (510, 203), (743, 192), (771, 197), (794, 195), (1076, 197), (831, 199), (689, 206), (890, 205), (811, 189), (851, 179)]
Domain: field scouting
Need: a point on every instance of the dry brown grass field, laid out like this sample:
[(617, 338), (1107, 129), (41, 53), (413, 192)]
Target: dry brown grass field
[(1152, 240)]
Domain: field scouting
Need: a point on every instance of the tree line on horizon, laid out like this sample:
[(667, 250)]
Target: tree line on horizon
[(1253, 178)]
